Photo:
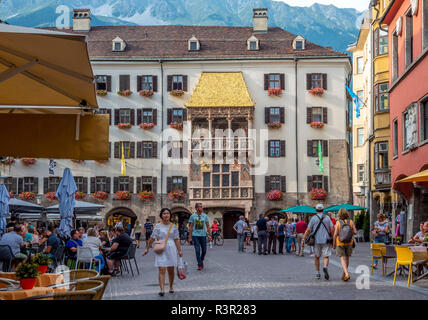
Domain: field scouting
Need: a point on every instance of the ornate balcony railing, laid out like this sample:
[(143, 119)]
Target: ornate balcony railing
[(224, 144), (382, 177), (221, 193)]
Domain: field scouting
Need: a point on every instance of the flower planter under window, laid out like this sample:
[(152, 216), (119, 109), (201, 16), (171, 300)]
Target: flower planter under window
[(145, 195), (177, 93), (275, 92), (274, 125), (146, 126), (146, 93), (124, 125), (100, 195), (177, 196), (51, 196), (176, 125), (317, 124), (79, 195), (317, 91), (28, 161), (318, 194), (27, 195), (124, 93), (123, 195), (8, 161), (101, 93), (11, 195), (275, 195)]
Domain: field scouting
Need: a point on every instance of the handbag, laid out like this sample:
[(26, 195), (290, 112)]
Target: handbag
[(310, 240), (160, 246)]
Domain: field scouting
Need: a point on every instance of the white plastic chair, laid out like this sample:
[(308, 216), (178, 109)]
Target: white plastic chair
[(85, 255), (360, 236)]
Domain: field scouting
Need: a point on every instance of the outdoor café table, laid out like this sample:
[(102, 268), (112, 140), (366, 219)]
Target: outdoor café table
[(420, 253), (22, 294), (392, 254), (43, 280)]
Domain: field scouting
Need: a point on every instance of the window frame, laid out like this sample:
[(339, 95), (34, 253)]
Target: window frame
[(359, 65), (321, 114), (80, 184), (423, 120), (316, 183), (377, 153), (123, 183), (177, 115), (380, 38), (275, 182), (101, 184), (378, 97), (147, 149), (104, 81), (274, 148), (145, 84), (28, 184), (360, 136), (253, 45), (191, 43), (178, 184), (147, 181), (395, 137), (299, 43), (176, 83), (360, 172), (145, 117), (272, 79), (275, 112), (314, 79), (126, 116), (53, 183)]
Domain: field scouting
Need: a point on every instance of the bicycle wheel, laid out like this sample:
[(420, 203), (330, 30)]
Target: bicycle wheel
[(219, 240)]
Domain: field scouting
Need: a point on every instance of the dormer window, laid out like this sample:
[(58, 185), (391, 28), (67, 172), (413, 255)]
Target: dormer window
[(118, 44), (299, 43), (253, 44), (193, 44)]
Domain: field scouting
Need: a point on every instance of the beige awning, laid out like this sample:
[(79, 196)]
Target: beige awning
[(418, 177)]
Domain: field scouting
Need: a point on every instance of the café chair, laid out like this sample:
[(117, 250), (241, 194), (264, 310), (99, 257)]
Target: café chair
[(91, 285), (6, 257), (377, 250), (105, 280), (85, 255), (404, 258), (68, 295)]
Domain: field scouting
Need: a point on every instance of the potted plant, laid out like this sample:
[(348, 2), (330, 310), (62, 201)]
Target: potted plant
[(101, 93), (177, 93), (398, 240), (177, 196), (100, 195), (146, 126), (274, 125), (146, 93), (27, 195), (28, 161), (8, 161), (176, 125), (317, 91), (79, 195), (318, 194), (123, 195), (51, 196), (317, 124), (43, 261), (275, 92), (145, 195), (275, 195), (27, 273), (124, 93), (124, 125)]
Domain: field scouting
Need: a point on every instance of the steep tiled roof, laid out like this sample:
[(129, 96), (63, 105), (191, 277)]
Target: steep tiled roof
[(216, 42)]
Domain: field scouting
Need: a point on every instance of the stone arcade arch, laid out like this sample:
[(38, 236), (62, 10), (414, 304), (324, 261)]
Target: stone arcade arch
[(120, 213)]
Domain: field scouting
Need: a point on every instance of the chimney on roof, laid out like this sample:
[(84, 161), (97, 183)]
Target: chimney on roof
[(260, 20), (82, 20)]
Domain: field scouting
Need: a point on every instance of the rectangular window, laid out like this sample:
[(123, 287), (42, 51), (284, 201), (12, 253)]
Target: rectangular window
[(147, 184), (275, 182), (394, 56), (409, 39), (216, 180), (235, 179), (147, 149), (117, 46), (176, 149), (381, 97), (177, 115), (124, 184), (274, 81), (360, 173), (80, 184), (317, 114), (317, 182), (177, 82), (147, 83), (147, 116), (274, 148), (126, 149), (101, 184), (225, 180), (425, 23), (274, 115), (125, 116), (316, 80), (10, 186), (216, 168), (225, 168), (381, 155), (207, 179), (29, 184), (360, 95), (53, 184), (315, 147), (424, 119), (101, 82), (383, 41), (360, 134), (253, 45), (395, 136), (299, 45), (360, 65), (177, 184)]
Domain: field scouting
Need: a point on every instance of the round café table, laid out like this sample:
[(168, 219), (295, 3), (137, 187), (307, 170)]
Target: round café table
[(43, 280), (22, 294)]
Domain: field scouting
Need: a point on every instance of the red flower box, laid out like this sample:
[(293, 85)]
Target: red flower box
[(123, 195), (28, 161), (317, 124), (79, 195), (8, 161), (146, 126), (101, 93), (274, 125), (275, 195), (51, 196), (318, 194), (11, 195), (177, 93), (124, 93), (27, 195), (275, 92), (179, 195), (146, 93), (145, 195), (124, 125), (317, 91), (100, 195), (176, 125)]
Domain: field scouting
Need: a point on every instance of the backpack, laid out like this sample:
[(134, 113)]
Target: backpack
[(345, 232)]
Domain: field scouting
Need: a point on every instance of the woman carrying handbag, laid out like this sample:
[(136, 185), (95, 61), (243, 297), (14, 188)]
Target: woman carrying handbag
[(166, 246)]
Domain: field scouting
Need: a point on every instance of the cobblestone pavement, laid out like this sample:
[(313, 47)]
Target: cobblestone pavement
[(229, 275)]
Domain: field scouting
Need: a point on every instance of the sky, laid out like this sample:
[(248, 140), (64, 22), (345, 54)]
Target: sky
[(360, 5)]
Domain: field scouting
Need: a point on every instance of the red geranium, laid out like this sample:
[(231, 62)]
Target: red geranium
[(27, 195), (318, 194), (51, 196), (146, 93), (317, 124), (145, 195), (176, 125), (275, 195), (124, 93), (317, 91), (100, 195), (124, 125), (123, 195), (28, 161), (146, 126), (179, 195), (275, 91), (79, 195)]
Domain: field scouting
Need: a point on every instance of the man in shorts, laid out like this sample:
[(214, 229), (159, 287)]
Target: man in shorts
[(148, 228), (118, 250), (321, 223)]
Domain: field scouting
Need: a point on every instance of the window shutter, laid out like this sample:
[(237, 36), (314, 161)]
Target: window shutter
[(267, 153), (266, 77), (282, 148), (20, 185), (45, 185), (308, 115), (267, 183), (139, 149), (154, 184), (85, 185), (109, 83), (116, 116), (109, 150), (109, 115), (282, 81), (169, 116), (139, 116), (283, 184), (131, 184), (310, 144), (15, 185), (325, 183), (154, 149), (185, 184), (184, 83), (309, 183), (324, 81), (282, 114), (36, 185), (155, 116), (169, 184), (155, 83), (132, 117), (169, 83), (308, 81), (184, 115), (117, 150), (122, 82), (108, 184), (115, 184), (325, 148), (93, 184), (139, 83), (324, 115), (132, 150), (267, 115), (139, 181)]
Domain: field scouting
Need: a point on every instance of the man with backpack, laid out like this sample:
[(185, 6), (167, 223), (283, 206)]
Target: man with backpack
[(319, 234), (343, 240), (273, 234)]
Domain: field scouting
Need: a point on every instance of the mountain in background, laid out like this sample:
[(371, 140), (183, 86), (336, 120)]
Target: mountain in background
[(324, 25)]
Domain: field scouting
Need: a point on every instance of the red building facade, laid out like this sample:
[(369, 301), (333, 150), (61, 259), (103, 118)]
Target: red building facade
[(407, 22)]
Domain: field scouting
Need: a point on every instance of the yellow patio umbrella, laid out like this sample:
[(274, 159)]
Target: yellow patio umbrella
[(47, 96), (418, 177)]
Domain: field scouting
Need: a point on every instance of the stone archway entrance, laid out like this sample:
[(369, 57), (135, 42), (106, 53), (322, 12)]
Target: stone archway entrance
[(229, 219), (180, 216), (126, 215)]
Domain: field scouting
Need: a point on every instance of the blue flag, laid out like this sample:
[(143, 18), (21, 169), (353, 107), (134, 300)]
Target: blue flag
[(355, 99)]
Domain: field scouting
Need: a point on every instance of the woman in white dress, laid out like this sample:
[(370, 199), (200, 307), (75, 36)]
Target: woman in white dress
[(167, 260)]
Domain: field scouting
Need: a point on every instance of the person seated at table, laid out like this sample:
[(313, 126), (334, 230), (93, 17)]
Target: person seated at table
[(73, 243), (119, 248), (35, 236), (420, 236), (92, 241), (105, 241), (82, 233), (13, 221), (112, 234), (51, 240), (15, 240)]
